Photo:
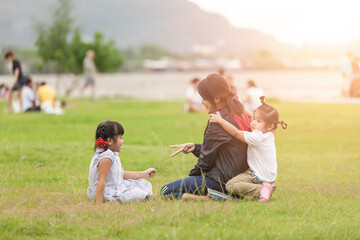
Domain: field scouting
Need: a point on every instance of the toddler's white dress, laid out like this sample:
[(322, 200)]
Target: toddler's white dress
[(116, 187)]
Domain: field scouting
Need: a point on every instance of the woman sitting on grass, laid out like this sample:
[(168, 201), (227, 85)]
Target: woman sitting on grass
[(221, 156), (258, 181), (107, 179)]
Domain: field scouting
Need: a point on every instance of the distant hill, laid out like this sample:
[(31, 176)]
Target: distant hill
[(176, 25)]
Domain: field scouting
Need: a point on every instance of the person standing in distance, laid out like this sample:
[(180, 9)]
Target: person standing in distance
[(19, 80), (90, 71)]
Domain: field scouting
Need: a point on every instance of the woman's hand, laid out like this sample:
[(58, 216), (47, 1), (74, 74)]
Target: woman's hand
[(215, 117), (150, 173), (185, 148)]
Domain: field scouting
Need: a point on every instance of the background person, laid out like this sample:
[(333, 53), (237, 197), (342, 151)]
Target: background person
[(47, 97), (19, 80), (28, 97), (220, 156), (193, 98), (252, 96), (46, 93), (90, 71)]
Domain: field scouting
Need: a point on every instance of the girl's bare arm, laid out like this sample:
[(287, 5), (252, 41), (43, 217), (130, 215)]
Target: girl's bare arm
[(149, 173), (103, 168)]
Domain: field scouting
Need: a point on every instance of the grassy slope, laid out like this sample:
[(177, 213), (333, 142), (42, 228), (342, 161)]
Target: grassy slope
[(44, 163)]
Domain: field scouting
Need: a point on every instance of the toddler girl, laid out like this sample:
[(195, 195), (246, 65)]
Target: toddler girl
[(107, 179), (258, 181)]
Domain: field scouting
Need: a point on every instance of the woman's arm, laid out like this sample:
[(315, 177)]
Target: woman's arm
[(228, 127), (185, 148), (103, 168), (149, 173)]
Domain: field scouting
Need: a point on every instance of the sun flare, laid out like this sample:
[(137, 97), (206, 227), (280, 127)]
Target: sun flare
[(295, 22)]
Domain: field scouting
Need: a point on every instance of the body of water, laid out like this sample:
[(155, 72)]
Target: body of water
[(286, 85)]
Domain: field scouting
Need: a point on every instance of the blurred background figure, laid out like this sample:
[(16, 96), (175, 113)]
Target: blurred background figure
[(193, 98), (47, 97), (228, 78), (252, 96), (351, 75), (28, 97), (90, 71), (3, 90), (46, 93), (19, 80)]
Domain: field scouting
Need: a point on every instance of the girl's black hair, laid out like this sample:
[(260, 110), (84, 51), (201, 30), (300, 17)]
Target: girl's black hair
[(215, 85), (270, 114), (108, 129)]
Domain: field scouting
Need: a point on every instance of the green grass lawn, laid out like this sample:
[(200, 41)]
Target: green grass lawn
[(44, 164)]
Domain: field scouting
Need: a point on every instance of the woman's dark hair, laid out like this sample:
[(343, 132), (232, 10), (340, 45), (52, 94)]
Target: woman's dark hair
[(215, 85), (108, 129), (270, 114)]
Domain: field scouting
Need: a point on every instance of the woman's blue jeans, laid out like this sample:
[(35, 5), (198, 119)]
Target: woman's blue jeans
[(194, 184)]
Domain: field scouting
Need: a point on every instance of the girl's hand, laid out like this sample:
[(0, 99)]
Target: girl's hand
[(150, 173), (215, 117), (185, 148)]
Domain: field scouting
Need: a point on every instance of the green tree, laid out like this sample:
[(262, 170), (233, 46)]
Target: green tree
[(60, 45), (108, 57), (52, 43)]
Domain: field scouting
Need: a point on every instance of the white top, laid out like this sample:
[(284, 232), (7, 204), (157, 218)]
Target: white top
[(254, 95), (194, 96), (116, 188), (261, 154), (28, 97)]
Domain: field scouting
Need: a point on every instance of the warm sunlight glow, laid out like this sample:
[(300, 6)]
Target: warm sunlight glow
[(296, 22)]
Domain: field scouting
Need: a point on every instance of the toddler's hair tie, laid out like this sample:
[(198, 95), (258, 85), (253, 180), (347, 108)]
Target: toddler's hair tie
[(101, 143), (283, 124)]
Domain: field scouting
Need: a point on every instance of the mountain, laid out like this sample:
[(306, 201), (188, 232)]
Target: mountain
[(176, 25)]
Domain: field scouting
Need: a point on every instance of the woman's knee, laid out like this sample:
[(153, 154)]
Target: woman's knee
[(165, 190)]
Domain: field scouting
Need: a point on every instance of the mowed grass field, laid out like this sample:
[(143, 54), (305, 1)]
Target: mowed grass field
[(44, 164)]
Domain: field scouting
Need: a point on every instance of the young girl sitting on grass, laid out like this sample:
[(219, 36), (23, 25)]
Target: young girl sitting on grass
[(107, 179), (258, 181)]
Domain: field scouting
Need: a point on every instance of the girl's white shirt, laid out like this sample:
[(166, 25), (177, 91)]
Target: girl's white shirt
[(116, 187), (261, 154)]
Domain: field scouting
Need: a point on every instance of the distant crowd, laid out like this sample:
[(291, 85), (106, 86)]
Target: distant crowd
[(31, 96), (350, 66)]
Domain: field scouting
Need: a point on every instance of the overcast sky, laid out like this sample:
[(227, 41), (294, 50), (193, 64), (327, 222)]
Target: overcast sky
[(293, 21)]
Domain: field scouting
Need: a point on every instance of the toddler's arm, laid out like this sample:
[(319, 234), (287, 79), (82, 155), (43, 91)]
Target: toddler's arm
[(228, 127), (149, 173)]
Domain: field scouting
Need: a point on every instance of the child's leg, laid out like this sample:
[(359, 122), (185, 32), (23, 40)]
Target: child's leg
[(243, 184)]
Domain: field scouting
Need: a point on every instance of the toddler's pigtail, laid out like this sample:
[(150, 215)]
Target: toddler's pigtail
[(283, 124), (262, 100)]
